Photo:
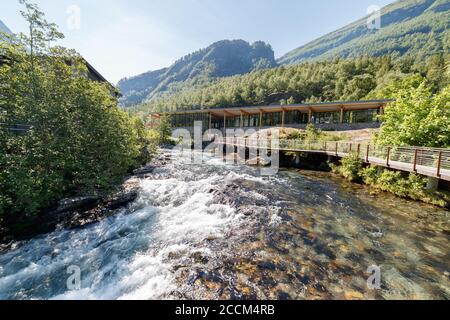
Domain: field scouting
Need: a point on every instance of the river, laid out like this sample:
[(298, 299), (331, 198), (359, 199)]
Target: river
[(217, 231)]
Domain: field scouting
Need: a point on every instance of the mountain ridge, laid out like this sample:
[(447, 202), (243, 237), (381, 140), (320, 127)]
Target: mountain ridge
[(405, 28), (4, 28), (418, 29), (221, 59)]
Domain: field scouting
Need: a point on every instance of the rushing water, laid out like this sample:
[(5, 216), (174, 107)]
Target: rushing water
[(217, 231)]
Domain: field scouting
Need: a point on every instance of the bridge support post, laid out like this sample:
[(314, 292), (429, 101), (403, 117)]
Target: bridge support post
[(432, 184), (380, 171), (297, 159)]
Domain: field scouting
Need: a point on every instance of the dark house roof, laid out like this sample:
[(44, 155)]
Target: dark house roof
[(93, 74)]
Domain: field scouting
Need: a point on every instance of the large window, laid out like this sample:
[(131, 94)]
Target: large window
[(272, 119), (295, 117), (361, 116), (325, 117), (187, 120)]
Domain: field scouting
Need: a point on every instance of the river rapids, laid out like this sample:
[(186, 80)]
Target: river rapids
[(219, 231)]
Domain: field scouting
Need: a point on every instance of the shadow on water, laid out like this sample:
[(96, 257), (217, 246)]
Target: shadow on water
[(216, 231)]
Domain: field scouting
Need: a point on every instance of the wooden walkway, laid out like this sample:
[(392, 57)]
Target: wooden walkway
[(430, 162)]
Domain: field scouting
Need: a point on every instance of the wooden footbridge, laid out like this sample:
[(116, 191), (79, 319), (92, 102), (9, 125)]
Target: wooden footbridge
[(430, 162)]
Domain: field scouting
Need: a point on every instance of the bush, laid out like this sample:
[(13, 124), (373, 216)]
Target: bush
[(369, 175), (165, 130), (351, 167), (410, 186), (80, 141)]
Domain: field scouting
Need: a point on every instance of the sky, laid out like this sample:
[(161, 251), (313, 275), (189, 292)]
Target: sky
[(122, 38)]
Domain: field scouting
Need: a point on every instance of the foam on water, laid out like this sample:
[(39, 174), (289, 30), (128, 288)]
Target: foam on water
[(217, 231), (126, 256)]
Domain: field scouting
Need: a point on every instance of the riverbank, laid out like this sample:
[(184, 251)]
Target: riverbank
[(77, 212), (378, 180), (219, 231), (405, 185)]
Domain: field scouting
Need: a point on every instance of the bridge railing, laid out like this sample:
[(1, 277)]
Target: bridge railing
[(415, 157)]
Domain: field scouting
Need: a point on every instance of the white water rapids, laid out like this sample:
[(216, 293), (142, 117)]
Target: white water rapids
[(127, 256), (217, 231)]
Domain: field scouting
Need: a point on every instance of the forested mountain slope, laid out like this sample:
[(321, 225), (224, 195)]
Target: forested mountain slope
[(415, 28), (332, 80), (221, 59)]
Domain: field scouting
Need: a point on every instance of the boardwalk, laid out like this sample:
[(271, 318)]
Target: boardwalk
[(430, 162)]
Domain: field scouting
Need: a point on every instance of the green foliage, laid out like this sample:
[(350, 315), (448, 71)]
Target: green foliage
[(80, 141), (165, 130), (417, 117), (147, 142), (312, 133), (295, 135), (350, 168), (412, 28), (221, 59), (335, 80), (410, 186), (369, 175)]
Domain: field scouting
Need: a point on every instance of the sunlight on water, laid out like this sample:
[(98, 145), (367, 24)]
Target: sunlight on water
[(220, 231)]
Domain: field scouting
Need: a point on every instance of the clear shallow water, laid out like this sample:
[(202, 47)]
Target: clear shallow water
[(219, 232)]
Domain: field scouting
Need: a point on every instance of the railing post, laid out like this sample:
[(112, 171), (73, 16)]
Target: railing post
[(337, 148), (350, 149), (367, 153), (416, 154), (439, 164), (359, 149), (388, 156)]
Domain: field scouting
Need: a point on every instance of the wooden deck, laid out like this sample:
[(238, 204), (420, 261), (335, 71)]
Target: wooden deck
[(430, 162)]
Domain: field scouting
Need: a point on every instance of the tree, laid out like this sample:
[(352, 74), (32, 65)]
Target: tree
[(417, 117), (165, 129), (80, 142)]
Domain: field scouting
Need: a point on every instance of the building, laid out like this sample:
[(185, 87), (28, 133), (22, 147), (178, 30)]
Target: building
[(93, 74), (327, 115)]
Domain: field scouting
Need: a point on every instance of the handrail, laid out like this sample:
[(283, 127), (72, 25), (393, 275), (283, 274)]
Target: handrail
[(415, 158)]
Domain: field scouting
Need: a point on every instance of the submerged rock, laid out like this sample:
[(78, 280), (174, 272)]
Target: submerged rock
[(77, 203), (74, 212), (258, 161)]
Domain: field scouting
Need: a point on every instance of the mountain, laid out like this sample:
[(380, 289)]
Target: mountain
[(221, 59), (4, 28), (417, 28)]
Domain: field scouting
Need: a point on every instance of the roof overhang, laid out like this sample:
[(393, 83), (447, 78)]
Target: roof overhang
[(304, 108)]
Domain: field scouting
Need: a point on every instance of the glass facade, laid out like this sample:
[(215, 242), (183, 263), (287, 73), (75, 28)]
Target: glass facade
[(326, 117), (251, 120), (275, 119), (187, 120), (295, 117), (361, 116)]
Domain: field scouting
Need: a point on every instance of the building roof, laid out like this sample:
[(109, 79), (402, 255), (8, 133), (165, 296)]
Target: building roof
[(306, 107), (93, 74)]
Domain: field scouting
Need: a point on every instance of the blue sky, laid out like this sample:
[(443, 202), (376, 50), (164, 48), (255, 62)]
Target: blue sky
[(127, 37)]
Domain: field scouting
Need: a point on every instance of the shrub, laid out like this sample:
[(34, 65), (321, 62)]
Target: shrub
[(369, 175), (350, 167), (410, 186), (80, 141)]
